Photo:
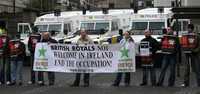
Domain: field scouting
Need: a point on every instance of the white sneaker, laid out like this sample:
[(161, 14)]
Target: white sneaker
[(40, 83), (0, 83), (8, 83), (30, 82)]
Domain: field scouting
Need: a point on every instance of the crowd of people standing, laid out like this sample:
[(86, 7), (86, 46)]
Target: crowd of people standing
[(12, 54)]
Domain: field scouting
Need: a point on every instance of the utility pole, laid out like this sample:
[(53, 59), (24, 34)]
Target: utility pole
[(41, 5), (178, 4), (14, 6)]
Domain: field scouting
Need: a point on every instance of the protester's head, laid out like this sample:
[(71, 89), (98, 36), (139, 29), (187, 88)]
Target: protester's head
[(120, 32), (83, 33), (169, 31), (190, 27), (164, 31), (45, 35), (127, 35), (147, 33)]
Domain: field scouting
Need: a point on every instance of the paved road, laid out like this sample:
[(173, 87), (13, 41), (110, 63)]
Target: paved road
[(100, 84)]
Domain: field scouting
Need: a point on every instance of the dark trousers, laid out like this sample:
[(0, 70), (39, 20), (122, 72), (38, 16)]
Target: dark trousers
[(32, 72), (4, 70), (86, 78), (169, 60), (146, 71), (51, 76), (119, 77), (192, 61)]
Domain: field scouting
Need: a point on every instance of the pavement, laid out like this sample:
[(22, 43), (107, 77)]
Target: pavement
[(99, 84)]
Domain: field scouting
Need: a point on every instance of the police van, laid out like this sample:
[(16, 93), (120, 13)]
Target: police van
[(153, 19), (100, 26), (60, 27)]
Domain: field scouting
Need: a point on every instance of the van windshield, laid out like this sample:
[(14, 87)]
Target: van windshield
[(95, 27), (139, 27), (54, 29)]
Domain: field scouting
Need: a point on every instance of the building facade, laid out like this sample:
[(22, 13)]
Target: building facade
[(171, 3), (12, 12)]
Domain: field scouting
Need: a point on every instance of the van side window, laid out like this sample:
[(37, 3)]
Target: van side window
[(114, 26), (67, 28)]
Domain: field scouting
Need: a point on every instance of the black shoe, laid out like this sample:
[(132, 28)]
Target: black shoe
[(153, 85), (171, 85), (115, 85), (51, 83), (74, 85), (158, 84), (143, 84), (20, 83), (127, 84), (12, 84), (86, 85)]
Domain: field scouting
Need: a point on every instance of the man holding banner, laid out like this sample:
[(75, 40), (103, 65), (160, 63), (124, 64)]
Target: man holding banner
[(126, 45), (33, 40), (83, 40), (148, 48), (51, 76)]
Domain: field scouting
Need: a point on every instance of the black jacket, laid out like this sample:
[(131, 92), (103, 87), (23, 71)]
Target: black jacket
[(153, 43), (30, 42), (49, 40)]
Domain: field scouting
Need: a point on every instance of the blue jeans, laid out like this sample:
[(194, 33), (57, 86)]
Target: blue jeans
[(4, 70), (16, 69), (169, 60)]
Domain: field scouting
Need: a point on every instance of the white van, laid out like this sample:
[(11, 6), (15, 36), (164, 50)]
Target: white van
[(101, 26)]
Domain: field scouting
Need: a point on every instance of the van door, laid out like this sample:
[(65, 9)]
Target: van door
[(24, 30)]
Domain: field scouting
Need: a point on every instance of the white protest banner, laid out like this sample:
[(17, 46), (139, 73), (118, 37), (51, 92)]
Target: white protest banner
[(84, 58)]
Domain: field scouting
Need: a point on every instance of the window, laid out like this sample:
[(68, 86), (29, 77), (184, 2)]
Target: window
[(95, 27), (114, 26), (100, 26), (185, 24), (20, 29), (42, 28), (26, 29), (87, 26), (54, 29), (149, 3), (156, 25), (67, 28), (139, 25)]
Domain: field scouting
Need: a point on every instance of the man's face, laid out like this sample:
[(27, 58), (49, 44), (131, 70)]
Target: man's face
[(169, 30), (126, 34), (46, 35), (147, 33), (83, 33)]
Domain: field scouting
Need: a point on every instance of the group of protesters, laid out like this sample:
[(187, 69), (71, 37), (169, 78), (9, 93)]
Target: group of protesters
[(12, 54)]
